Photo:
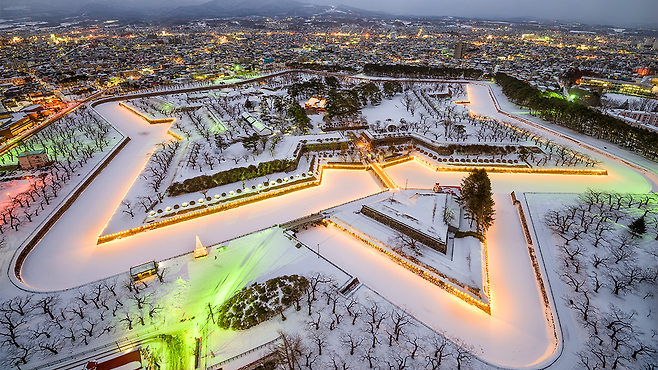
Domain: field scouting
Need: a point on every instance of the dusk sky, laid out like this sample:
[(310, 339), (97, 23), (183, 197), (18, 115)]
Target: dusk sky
[(614, 12)]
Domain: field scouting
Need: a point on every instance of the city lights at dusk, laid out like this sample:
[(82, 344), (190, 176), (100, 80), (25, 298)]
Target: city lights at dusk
[(256, 185)]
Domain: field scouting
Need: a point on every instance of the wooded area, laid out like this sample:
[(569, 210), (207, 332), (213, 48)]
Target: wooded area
[(579, 117)]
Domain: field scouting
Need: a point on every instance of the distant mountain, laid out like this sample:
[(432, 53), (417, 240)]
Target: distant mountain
[(232, 8), (150, 10), (264, 8), (106, 11)]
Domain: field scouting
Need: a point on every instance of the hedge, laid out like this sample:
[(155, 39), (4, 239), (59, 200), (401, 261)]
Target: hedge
[(205, 182)]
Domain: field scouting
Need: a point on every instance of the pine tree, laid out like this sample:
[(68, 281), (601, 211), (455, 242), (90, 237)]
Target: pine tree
[(638, 227), (477, 199), (251, 143)]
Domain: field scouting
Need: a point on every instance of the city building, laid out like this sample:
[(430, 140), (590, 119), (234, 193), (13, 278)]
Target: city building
[(13, 123), (460, 49), (648, 87), (143, 270), (646, 118), (316, 104)]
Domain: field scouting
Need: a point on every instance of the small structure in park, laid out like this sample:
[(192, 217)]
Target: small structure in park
[(144, 270), (200, 250), (32, 159), (257, 125), (127, 361), (316, 104)]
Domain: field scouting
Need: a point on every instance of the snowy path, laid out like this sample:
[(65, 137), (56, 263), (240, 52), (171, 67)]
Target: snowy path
[(515, 334), (612, 157), (68, 255)]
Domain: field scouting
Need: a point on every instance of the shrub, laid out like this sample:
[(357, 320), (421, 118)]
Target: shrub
[(260, 302), (204, 182)]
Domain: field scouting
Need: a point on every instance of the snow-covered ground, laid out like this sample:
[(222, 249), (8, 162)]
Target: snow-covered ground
[(638, 298), (463, 261), (73, 258), (516, 334)]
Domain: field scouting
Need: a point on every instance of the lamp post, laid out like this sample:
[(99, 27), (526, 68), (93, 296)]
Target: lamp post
[(318, 250)]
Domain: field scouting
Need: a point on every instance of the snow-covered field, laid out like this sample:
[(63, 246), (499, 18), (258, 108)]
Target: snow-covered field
[(603, 281), (516, 334)]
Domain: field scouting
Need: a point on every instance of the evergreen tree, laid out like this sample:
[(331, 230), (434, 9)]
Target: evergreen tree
[(638, 227), (477, 199), (251, 143), (391, 88), (299, 116), (342, 104), (221, 143)]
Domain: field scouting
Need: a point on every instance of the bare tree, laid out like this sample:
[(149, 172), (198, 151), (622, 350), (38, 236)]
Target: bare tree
[(574, 280), (127, 208), (438, 351), (623, 249), (17, 356), (41, 329), (368, 354), (314, 283), (47, 304), (583, 305), (399, 319), (310, 357), (82, 297), (78, 310), (404, 243), (19, 305), (89, 328), (397, 358), (289, 350), (353, 309), (161, 273), (128, 321), (71, 335), (463, 353), (319, 338), (351, 340), (50, 346), (11, 327)]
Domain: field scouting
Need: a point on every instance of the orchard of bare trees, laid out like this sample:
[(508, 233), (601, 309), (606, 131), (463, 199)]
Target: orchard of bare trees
[(35, 327), (609, 261), (361, 330), (70, 142)]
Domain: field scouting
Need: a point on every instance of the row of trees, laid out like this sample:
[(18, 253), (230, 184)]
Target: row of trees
[(403, 70), (580, 118), (205, 182)]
